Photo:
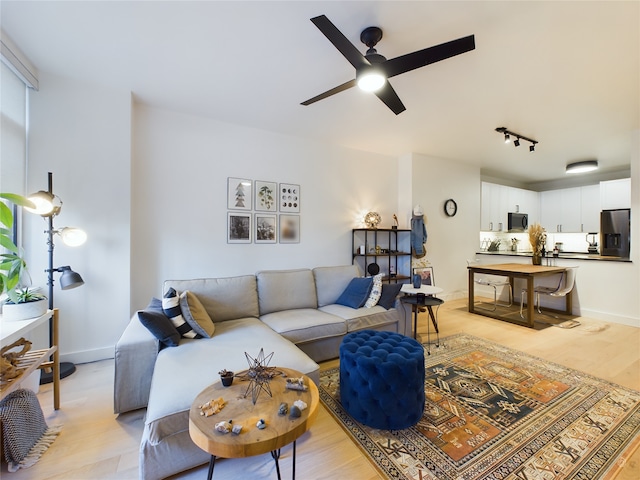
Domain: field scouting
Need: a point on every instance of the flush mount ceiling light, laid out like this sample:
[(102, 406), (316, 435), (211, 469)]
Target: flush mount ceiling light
[(508, 134), (582, 167), (370, 79)]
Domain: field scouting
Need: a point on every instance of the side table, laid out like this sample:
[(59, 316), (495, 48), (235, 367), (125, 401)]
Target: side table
[(280, 430), (423, 297)]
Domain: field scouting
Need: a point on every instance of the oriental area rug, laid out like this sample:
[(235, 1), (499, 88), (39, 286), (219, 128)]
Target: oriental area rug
[(496, 413)]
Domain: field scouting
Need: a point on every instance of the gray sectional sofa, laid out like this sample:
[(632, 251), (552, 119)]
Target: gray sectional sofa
[(291, 313)]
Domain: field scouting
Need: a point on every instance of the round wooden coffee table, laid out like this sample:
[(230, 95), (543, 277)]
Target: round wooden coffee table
[(280, 430)]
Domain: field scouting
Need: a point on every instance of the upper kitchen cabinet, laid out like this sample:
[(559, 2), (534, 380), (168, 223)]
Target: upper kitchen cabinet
[(571, 210), (560, 210), (499, 200), (524, 201), (615, 194), (494, 207)]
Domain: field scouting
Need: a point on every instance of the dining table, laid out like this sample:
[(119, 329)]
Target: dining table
[(529, 273)]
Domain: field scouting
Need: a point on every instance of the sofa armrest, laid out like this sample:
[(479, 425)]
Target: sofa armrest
[(405, 318), (135, 358)]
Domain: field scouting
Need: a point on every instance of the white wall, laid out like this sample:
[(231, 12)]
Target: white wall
[(450, 240), (179, 217), (82, 134)]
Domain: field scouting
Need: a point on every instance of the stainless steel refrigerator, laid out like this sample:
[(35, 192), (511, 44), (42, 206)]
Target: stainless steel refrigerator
[(615, 232)]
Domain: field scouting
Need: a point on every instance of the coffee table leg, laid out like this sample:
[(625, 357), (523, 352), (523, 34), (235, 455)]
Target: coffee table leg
[(212, 463), (276, 455), (294, 461)]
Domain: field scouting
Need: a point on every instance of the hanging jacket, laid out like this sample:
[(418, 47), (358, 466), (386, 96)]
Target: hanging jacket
[(418, 235)]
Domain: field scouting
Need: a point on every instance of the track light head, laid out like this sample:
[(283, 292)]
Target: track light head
[(532, 147), (517, 142), (506, 138)]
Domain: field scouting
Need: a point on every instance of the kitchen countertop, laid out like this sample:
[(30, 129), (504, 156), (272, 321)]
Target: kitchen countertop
[(561, 255)]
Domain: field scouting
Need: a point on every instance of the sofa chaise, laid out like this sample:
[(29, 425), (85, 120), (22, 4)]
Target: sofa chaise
[(292, 313)]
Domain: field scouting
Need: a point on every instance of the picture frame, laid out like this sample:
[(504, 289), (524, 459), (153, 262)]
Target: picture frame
[(289, 197), (289, 228), (238, 227), (239, 193), (265, 228), (426, 274), (266, 196)]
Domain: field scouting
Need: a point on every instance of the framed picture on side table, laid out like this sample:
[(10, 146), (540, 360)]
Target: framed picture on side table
[(239, 227), (426, 273), (266, 226)]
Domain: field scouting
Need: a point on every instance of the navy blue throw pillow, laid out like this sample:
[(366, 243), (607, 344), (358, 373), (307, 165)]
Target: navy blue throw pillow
[(356, 293), (389, 293), (159, 324)]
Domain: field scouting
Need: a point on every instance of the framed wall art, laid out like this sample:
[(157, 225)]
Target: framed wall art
[(426, 273), (289, 228), (239, 194), (266, 196), (266, 228), (289, 198), (239, 227)]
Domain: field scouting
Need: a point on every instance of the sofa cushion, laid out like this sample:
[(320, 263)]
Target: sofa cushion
[(331, 282), (154, 319), (285, 290), (356, 293), (181, 373), (171, 308), (195, 314), (376, 291), (224, 299), (363, 318), (303, 325), (389, 293)]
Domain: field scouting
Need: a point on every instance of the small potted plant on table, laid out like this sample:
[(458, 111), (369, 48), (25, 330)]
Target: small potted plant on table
[(226, 377)]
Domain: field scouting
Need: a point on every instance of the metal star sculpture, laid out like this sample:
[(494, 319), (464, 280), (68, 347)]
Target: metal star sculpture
[(259, 375)]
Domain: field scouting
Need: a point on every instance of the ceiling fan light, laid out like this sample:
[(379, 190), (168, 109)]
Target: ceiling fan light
[(371, 80), (582, 167)]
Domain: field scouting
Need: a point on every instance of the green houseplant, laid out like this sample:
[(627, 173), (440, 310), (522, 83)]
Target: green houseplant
[(12, 266)]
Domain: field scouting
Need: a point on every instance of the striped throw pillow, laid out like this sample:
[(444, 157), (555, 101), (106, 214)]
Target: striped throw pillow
[(376, 291), (171, 308)]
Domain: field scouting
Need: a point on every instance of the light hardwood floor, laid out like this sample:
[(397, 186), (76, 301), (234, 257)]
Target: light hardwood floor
[(96, 444)]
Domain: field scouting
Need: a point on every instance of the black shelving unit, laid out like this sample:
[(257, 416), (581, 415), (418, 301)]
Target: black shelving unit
[(389, 248)]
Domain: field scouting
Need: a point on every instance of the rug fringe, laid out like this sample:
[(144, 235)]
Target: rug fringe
[(38, 449)]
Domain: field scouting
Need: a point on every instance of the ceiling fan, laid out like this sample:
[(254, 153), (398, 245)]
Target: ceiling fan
[(372, 64)]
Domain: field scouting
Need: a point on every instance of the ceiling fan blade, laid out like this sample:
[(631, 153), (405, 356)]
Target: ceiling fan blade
[(344, 46), (411, 61), (328, 93), (390, 98)]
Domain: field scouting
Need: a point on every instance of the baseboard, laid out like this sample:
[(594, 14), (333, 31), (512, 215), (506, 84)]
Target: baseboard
[(610, 317), (88, 356)]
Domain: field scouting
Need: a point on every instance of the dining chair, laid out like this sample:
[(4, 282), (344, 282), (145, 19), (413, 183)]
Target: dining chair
[(564, 287), (493, 281)]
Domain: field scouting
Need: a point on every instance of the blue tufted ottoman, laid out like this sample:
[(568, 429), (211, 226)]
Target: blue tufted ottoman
[(382, 379)]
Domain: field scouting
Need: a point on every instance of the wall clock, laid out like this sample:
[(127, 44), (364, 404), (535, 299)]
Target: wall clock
[(450, 207)]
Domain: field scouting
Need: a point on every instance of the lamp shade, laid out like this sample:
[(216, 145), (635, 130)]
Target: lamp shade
[(43, 202), (69, 279), (72, 236)]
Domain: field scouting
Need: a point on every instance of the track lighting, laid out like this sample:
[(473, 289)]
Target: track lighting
[(582, 167), (507, 136)]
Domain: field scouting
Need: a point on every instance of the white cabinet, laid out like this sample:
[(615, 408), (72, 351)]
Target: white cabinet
[(560, 210), (615, 194), (494, 205), (590, 208), (524, 201)]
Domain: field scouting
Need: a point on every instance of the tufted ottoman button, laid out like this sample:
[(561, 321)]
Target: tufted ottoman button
[(382, 379)]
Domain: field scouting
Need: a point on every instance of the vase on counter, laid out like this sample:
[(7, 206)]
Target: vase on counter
[(536, 259)]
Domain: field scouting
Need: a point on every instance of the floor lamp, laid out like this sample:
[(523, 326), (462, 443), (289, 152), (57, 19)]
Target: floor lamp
[(46, 206)]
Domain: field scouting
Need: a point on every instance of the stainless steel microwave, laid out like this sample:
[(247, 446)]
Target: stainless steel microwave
[(518, 222)]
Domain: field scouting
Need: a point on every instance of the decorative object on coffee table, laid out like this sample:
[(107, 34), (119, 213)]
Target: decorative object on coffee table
[(226, 377), (259, 375)]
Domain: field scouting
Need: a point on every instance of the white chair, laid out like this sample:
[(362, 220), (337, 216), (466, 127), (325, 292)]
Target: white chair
[(493, 281), (564, 287)]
